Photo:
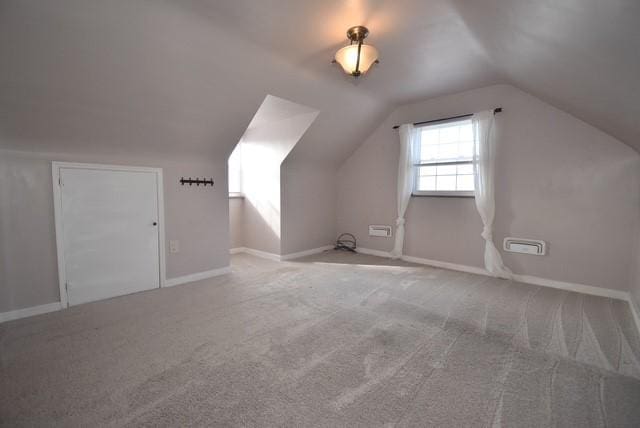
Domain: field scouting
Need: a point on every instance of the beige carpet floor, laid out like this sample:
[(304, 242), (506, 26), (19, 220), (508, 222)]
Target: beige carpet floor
[(331, 340)]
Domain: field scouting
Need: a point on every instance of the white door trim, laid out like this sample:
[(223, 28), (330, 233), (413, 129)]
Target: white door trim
[(57, 210)]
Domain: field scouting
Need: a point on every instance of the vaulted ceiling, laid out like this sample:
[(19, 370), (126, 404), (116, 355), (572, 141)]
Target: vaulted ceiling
[(154, 78), (180, 76), (580, 55), (425, 46)]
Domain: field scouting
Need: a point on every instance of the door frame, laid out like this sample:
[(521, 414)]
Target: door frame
[(56, 166)]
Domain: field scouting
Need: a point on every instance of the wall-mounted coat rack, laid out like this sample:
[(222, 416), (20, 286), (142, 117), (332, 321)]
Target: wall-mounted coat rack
[(190, 181)]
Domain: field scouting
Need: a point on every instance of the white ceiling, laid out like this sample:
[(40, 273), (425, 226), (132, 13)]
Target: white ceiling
[(181, 76), (580, 55), (425, 46), (153, 77)]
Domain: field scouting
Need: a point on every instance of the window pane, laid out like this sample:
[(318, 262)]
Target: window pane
[(449, 134), (430, 136), (446, 169), (465, 182), (428, 170), (427, 183), (465, 150), (466, 132), (465, 169), (446, 182), (447, 151), (428, 151)]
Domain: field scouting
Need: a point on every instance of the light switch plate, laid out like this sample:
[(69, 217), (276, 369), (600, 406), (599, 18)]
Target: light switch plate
[(174, 246)]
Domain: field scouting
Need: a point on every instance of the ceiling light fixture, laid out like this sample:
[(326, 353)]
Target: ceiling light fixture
[(357, 58)]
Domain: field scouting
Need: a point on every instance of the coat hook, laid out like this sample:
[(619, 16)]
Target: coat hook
[(197, 181)]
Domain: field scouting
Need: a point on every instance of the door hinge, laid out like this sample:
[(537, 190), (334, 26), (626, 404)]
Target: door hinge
[(60, 180), (66, 286)]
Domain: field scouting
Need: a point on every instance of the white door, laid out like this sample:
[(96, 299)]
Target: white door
[(110, 232)]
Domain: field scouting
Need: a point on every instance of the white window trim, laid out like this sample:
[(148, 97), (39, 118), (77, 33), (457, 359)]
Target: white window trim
[(445, 193), (440, 193), (236, 195)]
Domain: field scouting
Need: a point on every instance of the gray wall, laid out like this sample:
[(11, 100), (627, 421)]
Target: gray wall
[(634, 290), (308, 206), (197, 217), (236, 222), (558, 179)]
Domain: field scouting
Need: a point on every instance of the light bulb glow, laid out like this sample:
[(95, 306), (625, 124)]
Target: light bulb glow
[(347, 57)]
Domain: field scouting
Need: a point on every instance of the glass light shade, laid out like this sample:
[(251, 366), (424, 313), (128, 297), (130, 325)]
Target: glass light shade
[(347, 57)]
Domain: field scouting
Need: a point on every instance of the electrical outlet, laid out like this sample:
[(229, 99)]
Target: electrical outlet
[(174, 246)]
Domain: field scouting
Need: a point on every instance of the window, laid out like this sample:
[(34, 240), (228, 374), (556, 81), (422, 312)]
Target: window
[(444, 159)]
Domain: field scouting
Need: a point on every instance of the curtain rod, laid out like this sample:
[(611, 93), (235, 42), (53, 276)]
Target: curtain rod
[(495, 110)]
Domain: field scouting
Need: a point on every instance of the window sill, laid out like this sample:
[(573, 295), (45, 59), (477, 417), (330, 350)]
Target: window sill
[(236, 195), (465, 195)]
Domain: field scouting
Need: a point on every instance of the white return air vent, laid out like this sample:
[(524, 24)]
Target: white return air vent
[(379, 230), (525, 246)]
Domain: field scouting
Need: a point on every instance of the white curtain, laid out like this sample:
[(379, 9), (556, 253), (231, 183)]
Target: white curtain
[(484, 175), (408, 135)]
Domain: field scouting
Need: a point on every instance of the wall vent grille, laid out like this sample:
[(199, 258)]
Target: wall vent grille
[(379, 230), (525, 246)]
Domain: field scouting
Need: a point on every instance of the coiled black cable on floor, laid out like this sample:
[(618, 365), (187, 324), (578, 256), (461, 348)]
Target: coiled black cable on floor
[(346, 242)]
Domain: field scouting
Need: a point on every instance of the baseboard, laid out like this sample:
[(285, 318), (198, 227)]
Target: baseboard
[(278, 257), (371, 252), (30, 311), (257, 253), (170, 282), (570, 286), (528, 279), (263, 254), (56, 306), (446, 265), (305, 253)]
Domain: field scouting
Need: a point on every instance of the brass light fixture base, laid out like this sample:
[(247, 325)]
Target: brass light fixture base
[(357, 34)]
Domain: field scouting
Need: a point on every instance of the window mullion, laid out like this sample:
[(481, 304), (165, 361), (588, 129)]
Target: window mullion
[(464, 162)]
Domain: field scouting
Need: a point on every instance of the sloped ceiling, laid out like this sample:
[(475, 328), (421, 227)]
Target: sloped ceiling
[(425, 46), (131, 76), (178, 76), (580, 55)]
